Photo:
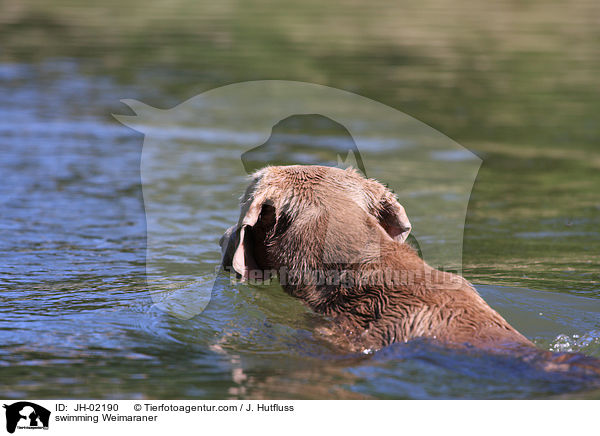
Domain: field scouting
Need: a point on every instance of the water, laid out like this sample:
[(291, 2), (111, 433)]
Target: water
[(76, 317)]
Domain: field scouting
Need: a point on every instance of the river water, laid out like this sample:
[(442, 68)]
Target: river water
[(515, 85)]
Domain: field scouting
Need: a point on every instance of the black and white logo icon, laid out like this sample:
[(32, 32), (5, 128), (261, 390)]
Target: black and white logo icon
[(26, 415)]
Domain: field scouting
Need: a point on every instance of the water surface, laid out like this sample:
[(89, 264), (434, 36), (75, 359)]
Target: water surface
[(516, 84)]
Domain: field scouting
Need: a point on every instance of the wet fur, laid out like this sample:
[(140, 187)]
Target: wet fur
[(304, 219)]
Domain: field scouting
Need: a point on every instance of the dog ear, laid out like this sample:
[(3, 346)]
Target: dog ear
[(392, 217), (228, 243), (254, 227), (384, 206)]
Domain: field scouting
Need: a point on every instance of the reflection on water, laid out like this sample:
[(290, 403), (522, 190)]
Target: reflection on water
[(516, 84)]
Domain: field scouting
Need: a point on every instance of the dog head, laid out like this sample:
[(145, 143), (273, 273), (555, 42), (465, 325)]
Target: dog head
[(308, 217)]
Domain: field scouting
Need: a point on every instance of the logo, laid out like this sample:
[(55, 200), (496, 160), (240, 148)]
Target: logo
[(192, 152), (26, 415)]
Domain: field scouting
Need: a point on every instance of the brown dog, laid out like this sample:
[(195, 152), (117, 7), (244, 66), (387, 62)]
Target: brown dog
[(336, 241)]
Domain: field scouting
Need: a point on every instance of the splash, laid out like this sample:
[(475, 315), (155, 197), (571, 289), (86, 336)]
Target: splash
[(588, 343)]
